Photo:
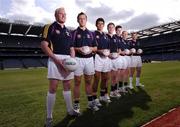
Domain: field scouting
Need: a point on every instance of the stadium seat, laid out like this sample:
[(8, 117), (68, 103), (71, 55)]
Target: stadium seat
[(2, 44), (44, 61), (31, 62), (12, 63)]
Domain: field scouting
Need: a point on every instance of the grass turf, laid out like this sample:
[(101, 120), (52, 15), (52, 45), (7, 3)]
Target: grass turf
[(23, 98)]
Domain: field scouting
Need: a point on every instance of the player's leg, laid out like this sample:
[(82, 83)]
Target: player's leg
[(120, 80), (120, 74), (77, 82), (123, 74), (76, 92), (132, 70), (50, 100), (104, 96), (97, 77), (67, 96), (88, 89), (126, 77), (54, 75), (89, 72), (105, 76), (138, 72), (126, 73), (131, 60), (114, 80)]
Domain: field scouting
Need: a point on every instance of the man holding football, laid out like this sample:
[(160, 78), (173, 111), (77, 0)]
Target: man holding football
[(85, 46), (102, 64), (136, 62), (57, 45)]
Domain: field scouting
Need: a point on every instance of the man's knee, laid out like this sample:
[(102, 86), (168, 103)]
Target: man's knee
[(77, 81), (53, 84), (67, 85), (52, 89)]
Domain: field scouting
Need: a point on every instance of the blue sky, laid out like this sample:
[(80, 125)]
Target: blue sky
[(131, 14)]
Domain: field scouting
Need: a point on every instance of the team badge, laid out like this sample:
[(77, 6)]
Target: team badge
[(105, 37), (88, 36), (67, 33), (57, 31), (79, 36), (97, 36)]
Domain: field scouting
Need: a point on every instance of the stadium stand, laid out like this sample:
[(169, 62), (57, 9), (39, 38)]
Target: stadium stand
[(161, 43), (20, 45), (31, 62), (12, 63)]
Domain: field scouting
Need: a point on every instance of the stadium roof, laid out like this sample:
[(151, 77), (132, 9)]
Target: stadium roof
[(158, 30), (23, 28), (19, 27)]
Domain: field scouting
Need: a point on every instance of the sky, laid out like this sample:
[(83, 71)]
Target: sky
[(132, 15)]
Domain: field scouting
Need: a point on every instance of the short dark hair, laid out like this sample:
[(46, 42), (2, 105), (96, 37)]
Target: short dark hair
[(111, 23), (117, 27), (81, 13), (99, 20)]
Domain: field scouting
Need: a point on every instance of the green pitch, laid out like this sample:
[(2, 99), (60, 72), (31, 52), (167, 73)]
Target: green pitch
[(23, 98)]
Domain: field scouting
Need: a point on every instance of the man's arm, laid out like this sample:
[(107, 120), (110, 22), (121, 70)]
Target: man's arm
[(48, 52), (72, 52)]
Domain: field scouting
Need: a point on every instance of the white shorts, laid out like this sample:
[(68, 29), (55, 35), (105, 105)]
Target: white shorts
[(125, 63), (86, 66), (55, 73), (136, 61), (102, 64), (121, 62), (128, 61), (115, 64)]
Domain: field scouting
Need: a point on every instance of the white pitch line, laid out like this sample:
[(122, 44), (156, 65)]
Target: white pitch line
[(158, 117)]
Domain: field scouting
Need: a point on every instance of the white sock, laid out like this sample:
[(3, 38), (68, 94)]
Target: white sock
[(130, 80), (137, 80), (68, 100), (51, 97)]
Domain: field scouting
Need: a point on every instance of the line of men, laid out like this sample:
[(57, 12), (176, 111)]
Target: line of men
[(105, 60)]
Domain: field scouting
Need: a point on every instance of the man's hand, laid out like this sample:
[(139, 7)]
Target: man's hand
[(60, 66)]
